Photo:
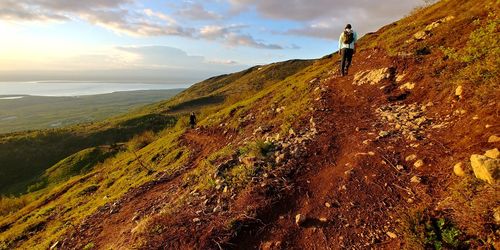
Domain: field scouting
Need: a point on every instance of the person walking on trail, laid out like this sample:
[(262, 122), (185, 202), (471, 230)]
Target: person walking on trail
[(192, 120), (347, 46)]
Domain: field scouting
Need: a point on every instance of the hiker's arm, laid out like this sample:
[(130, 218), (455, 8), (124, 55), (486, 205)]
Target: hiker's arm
[(340, 42)]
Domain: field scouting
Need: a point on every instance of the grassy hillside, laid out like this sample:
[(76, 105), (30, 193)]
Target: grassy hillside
[(38, 112), (290, 155)]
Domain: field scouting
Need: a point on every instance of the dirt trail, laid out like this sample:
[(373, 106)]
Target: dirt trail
[(111, 226), (345, 191)]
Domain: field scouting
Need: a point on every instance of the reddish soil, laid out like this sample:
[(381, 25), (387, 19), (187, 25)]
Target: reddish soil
[(368, 195), (111, 226)]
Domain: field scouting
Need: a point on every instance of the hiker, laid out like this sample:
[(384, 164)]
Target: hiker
[(192, 120), (347, 43)]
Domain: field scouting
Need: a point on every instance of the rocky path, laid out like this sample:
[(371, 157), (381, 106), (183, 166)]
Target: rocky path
[(351, 182), (112, 226)]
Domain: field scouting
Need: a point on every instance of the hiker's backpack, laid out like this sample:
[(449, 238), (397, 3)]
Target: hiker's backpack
[(348, 37)]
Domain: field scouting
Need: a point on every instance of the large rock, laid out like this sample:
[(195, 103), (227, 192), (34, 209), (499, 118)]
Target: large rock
[(485, 168), (372, 77)]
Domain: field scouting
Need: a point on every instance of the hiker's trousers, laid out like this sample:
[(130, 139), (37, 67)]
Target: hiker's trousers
[(345, 62)]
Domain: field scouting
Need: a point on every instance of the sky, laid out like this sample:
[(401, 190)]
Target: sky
[(167, 41)]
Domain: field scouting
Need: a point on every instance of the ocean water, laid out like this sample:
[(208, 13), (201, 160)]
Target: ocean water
[(16, 89)]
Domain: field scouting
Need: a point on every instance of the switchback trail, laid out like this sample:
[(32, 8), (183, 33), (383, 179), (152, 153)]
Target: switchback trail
[(112, 226)]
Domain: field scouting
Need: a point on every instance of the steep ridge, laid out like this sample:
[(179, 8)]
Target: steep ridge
[(308, 160)]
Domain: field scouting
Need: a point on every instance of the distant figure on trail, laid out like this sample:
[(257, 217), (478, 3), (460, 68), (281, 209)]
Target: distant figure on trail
[(192, 120), (347, 43)]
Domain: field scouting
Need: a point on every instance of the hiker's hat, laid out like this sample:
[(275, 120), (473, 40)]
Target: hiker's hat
[(348, 26)]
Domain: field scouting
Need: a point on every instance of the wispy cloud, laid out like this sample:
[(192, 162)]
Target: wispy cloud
[(233, 36), (196, 11), (320, 18)]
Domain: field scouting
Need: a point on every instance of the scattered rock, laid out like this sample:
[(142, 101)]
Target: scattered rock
[(383, 134), (299, 219), (421, 35), (492, 153), (328, 205), (496, 215), (196, 220), (391, 235), (400, 77), (493, 139), (411, 157), (323, 219), (372, 77), (400, 167), (418, 164), (485, 168), (458, 170), (407, 86), (459, 91), (415, 179), (280, 158)]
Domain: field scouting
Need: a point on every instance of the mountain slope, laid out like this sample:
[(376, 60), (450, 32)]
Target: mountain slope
[(307, 159)]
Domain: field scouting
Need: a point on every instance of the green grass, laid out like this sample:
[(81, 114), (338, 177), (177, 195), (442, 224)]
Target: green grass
[(47, 214), (26, 155)]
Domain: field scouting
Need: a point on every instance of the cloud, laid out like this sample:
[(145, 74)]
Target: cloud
[(196, 11), (12, 10), (116, 15), (122, 16), (232, 36), (234, 39), (365, 15)]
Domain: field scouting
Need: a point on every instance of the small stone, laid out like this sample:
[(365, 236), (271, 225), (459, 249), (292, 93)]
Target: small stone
[(217, 209), (225, 189), (371, 153), (327, 204), (421, 35), (411, 157), (323, 219), (475, 117), (400, 167), (492, 153), (485, 168), (392, 235), (459, 91), (410, 200), (299, 219), (488, 126), (458, 170), (196, 220), (383, 134), (493, 139), (408, 86), (496, 215), (418, 164), (415, 179)]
